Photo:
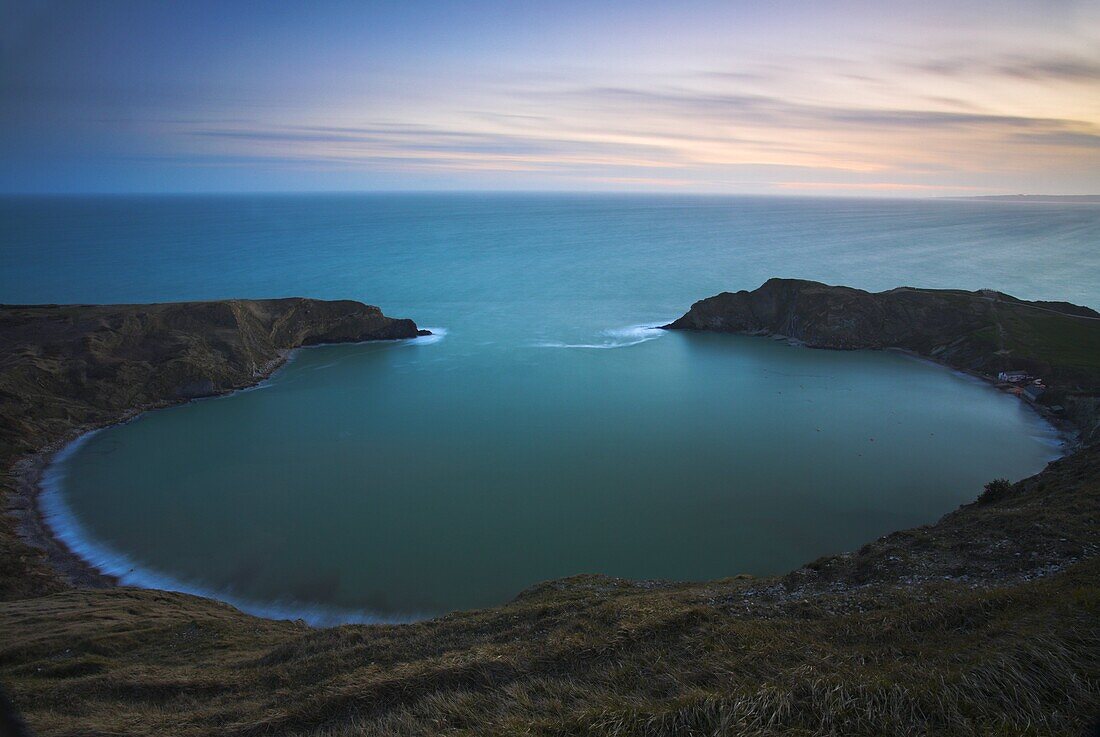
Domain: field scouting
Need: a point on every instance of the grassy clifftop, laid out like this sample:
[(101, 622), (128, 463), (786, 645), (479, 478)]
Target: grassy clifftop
[(987, 622)]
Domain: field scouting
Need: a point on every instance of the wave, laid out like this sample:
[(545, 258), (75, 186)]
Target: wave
[(437, 335), (65, 526), (616, 338)]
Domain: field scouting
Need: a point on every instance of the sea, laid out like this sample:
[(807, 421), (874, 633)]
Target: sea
[(547, 428)]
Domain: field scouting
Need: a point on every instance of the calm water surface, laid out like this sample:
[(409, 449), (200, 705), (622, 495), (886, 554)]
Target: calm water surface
[(545, 431)]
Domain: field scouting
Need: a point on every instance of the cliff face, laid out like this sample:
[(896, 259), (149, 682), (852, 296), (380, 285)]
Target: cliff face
[(76, 366), (982, 331)]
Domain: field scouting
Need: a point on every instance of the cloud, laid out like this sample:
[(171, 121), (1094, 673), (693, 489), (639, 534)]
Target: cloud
[(1065, 68), (922, 94), (873, 186), (779, 112), (443, 146), (633, 135), (816, 120), (1060, 138)]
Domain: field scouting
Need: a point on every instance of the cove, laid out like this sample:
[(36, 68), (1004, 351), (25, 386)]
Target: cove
[(393, 481)]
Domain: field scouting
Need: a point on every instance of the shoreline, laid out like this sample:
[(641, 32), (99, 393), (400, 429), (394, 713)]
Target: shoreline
[(1068, 434), (34, 525), (28, 472), (97, 562)]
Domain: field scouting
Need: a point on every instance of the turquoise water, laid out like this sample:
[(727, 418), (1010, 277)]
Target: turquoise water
[(545, 430)]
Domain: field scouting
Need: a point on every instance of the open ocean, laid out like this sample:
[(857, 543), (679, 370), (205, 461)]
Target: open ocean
[(546, 429)]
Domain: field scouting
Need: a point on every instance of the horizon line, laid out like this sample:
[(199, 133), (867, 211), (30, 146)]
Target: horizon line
[(579, 192)]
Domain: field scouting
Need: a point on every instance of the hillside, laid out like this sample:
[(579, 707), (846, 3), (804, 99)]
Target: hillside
[(983, 623)]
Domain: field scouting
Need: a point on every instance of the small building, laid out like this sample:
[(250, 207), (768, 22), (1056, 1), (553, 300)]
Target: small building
[(1012, 377), (1034, 391)]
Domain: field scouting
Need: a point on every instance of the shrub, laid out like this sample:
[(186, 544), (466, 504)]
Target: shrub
[(995, 490)]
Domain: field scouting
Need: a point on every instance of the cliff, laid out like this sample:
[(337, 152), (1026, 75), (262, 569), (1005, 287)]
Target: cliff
[(985, 332), (74, 367), (982, 623)]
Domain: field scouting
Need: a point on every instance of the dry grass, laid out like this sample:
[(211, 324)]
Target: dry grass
[(1019, 660)]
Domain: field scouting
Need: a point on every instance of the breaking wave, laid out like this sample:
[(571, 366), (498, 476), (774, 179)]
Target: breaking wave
[(615, 338), (437, 335)]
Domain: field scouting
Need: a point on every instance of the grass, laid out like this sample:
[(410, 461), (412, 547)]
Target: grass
[(941, 659), (1072, 345)]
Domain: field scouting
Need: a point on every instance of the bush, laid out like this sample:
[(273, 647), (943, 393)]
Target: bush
[(995, 490)]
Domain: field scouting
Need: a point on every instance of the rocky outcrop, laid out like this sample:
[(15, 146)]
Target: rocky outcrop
[(65, 368), (983, 331)]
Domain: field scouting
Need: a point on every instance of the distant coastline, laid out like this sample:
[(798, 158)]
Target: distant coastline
[(1068, 199)]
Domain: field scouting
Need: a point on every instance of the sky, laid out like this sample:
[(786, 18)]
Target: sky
[(927, 98)]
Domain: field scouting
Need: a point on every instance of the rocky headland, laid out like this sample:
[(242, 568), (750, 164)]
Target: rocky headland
[(984, 332), (66, 369), (985, 622)]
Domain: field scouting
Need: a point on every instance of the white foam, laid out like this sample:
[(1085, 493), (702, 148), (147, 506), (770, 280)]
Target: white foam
[(437, 334), (616, 338), (265, 384), (65, 526)]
